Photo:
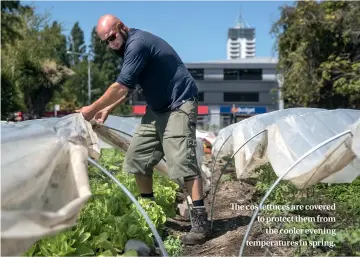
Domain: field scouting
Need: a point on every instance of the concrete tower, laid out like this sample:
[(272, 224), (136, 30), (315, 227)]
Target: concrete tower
[(241, 40)]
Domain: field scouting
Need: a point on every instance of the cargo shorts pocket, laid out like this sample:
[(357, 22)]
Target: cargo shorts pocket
[(144, 130), (189, 118), (175, 125), (191, 149)]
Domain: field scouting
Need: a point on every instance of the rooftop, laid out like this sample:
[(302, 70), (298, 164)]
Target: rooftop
[(267, 60)]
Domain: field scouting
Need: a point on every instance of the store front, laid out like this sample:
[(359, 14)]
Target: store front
[(233, 114)]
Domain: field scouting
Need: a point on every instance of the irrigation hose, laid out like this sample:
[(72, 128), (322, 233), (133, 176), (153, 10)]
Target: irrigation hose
[(242, 248), (137, 204)]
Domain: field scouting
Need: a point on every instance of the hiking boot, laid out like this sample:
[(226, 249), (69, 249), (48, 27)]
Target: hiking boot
[(200, 228)]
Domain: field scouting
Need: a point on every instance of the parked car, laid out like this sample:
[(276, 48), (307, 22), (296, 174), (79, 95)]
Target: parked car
[(21, 116)]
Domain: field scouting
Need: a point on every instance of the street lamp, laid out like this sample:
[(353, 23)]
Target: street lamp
[(89, 72)]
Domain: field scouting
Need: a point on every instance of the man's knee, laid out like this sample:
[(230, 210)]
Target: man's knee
[(142, 162), (144, 152), (132, 164), (135, 165), (185, 171)]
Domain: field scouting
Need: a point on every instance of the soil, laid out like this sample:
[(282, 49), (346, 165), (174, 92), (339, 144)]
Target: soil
[(229, 224)]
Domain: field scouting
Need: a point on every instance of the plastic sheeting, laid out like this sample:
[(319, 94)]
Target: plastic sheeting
[(252, 154), (224, 142), (355, 145), (290, 138), (289, 134), (207, 136), (44, 181), (114, 138), (127, 125)]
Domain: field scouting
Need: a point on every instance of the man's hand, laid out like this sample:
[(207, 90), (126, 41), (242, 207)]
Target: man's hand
[(87, 111), (101, 116), (113, 96)]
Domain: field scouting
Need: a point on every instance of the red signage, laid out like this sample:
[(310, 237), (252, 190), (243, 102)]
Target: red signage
[(202, 110), (139, 109)]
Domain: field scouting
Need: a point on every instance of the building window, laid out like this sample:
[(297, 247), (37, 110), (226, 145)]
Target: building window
[(251, 74), (243, 74), (230, 74), (241, 97), (197, 74), (201, 96)]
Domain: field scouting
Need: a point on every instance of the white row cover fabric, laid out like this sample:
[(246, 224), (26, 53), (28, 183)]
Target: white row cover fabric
[(207, 136), (290, 138), (288, 135), (108, 137), (224, 142), (44, 181), (355, 146), (250, 156)]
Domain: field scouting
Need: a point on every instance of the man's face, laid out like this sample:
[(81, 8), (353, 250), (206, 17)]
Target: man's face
[(113, 38)]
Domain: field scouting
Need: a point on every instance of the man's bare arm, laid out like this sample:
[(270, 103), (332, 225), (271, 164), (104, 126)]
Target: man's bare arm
[(113, 96), (113, 106)]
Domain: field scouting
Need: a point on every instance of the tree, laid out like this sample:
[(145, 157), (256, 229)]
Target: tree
[(97, 48), (10, 19), (75, 89), (9, 100), (319, 50), (104, 70), (76, 43), (60, 46), (32, 63), (39, 82)]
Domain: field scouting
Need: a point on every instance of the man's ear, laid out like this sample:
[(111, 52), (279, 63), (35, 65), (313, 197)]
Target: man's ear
[(123, 30), (120, 26)]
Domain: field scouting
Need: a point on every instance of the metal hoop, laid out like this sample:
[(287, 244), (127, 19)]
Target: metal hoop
[(280, 178)]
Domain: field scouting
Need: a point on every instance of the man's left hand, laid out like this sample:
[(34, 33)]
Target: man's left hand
[(88, 112)]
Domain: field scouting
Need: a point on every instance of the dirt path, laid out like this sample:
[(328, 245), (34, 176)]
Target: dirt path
[(229, 225)]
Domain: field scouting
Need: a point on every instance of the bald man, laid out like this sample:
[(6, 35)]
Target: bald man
[(169, 124)]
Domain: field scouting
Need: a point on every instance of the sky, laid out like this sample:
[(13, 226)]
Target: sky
[(196, 30)]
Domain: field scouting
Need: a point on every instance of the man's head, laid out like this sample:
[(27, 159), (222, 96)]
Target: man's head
[(112, 31)]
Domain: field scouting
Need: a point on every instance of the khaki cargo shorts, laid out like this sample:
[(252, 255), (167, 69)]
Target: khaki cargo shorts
[(172, 134)]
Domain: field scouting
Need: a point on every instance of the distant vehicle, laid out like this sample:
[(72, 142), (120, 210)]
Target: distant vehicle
[(16, 116), (21, 116), (58, 114)]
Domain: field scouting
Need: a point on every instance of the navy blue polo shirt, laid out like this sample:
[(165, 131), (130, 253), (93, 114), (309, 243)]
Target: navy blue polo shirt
[(153, 64)]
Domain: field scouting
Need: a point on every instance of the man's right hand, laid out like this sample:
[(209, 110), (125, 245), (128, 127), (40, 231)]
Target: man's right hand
[(101, 116)]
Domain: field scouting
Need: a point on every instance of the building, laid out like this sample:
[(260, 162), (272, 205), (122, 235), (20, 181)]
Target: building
[(242, 85), (241, 41)]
